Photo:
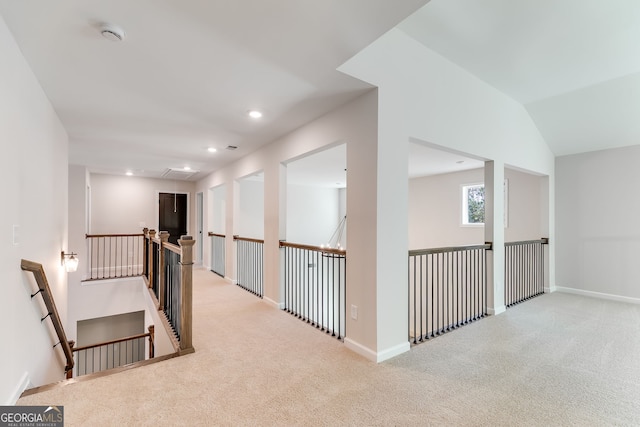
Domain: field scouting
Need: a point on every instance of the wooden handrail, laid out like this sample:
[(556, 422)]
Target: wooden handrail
[(416, 252), (284, 244), (119, 340), (87, 236), (173, 248), (248, 239), (216, 234), (544, 241), (43, 288)]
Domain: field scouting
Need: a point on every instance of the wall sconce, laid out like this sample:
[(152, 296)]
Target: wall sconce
[(69, 261)]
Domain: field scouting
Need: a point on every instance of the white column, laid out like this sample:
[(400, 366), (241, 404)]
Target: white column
[(377, 203), (494, 233)]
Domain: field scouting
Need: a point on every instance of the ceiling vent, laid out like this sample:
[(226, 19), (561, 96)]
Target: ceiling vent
[(177, 173), (231, 147)]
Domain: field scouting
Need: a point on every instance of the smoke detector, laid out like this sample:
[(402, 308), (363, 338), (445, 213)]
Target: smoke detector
[(112, 32)]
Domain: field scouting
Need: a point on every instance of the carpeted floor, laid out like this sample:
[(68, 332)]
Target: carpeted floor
[(556, 360)]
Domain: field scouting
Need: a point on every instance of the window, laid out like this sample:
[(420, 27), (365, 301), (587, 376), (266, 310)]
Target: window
[(473, 204)]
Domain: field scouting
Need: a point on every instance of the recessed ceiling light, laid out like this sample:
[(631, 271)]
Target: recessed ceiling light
[(187, 168), (211, 150), (255, 114), (129, 173)]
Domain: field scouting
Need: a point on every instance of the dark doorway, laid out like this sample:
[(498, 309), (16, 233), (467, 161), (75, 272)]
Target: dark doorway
[(173, 215)]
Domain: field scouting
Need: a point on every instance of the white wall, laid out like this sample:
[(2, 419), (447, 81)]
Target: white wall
[(527, 206), (34, 166), (216, 218), (353, 123), (127, 204), (425, 97), (313, 214), (102, 298), (249, 220), (598, 230), (435, 209)]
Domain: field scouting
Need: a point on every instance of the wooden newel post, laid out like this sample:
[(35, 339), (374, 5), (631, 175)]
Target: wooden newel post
[(151, 341), (152, 235), (70, 370), (186, 299), (162, 282), (145, 256)]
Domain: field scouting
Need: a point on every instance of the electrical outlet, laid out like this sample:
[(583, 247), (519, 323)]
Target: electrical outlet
[(354, 312)]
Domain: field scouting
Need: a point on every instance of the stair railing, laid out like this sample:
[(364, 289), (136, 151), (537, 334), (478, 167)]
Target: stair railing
[(112, 354), (52, 312)]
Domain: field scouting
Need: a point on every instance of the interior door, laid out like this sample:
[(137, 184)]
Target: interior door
[(173, 215), (199, 226)]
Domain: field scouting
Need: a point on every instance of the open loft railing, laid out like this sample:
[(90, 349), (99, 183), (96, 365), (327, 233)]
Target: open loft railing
[(250, 264), (170, 280), (112, 354), (112, 256), (315, 286), (447, 289), (524, 270), (218, 251)]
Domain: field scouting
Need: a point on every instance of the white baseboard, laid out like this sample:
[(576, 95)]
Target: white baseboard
[(497, 310), (600, 295), (373, 356), (278, 305), (393, 351), (361, 350), (550, 290), (23, 384)]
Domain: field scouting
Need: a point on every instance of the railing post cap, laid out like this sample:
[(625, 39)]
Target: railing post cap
[(186, 241)]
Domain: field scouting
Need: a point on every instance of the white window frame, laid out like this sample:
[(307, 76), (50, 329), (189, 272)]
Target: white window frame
[(464, 208)]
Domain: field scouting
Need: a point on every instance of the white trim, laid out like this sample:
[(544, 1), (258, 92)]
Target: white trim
[(378, 357), (111, 281), (601, 295), (360, 349), (394, 351), (157, 214), (23, 384), (278, 305), (498, 310), (464, 207), (549, 290)]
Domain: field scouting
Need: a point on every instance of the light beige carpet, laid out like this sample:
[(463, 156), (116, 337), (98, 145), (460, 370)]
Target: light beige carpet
[(555, 360)]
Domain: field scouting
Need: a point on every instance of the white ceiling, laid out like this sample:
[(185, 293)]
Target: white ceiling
[(188, 71), (327, 168), (574, 64)]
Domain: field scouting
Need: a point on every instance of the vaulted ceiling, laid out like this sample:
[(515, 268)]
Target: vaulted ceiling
[(188, 71), (574, 64)]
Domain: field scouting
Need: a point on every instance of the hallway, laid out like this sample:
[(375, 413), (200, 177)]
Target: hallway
[(558, 359)]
